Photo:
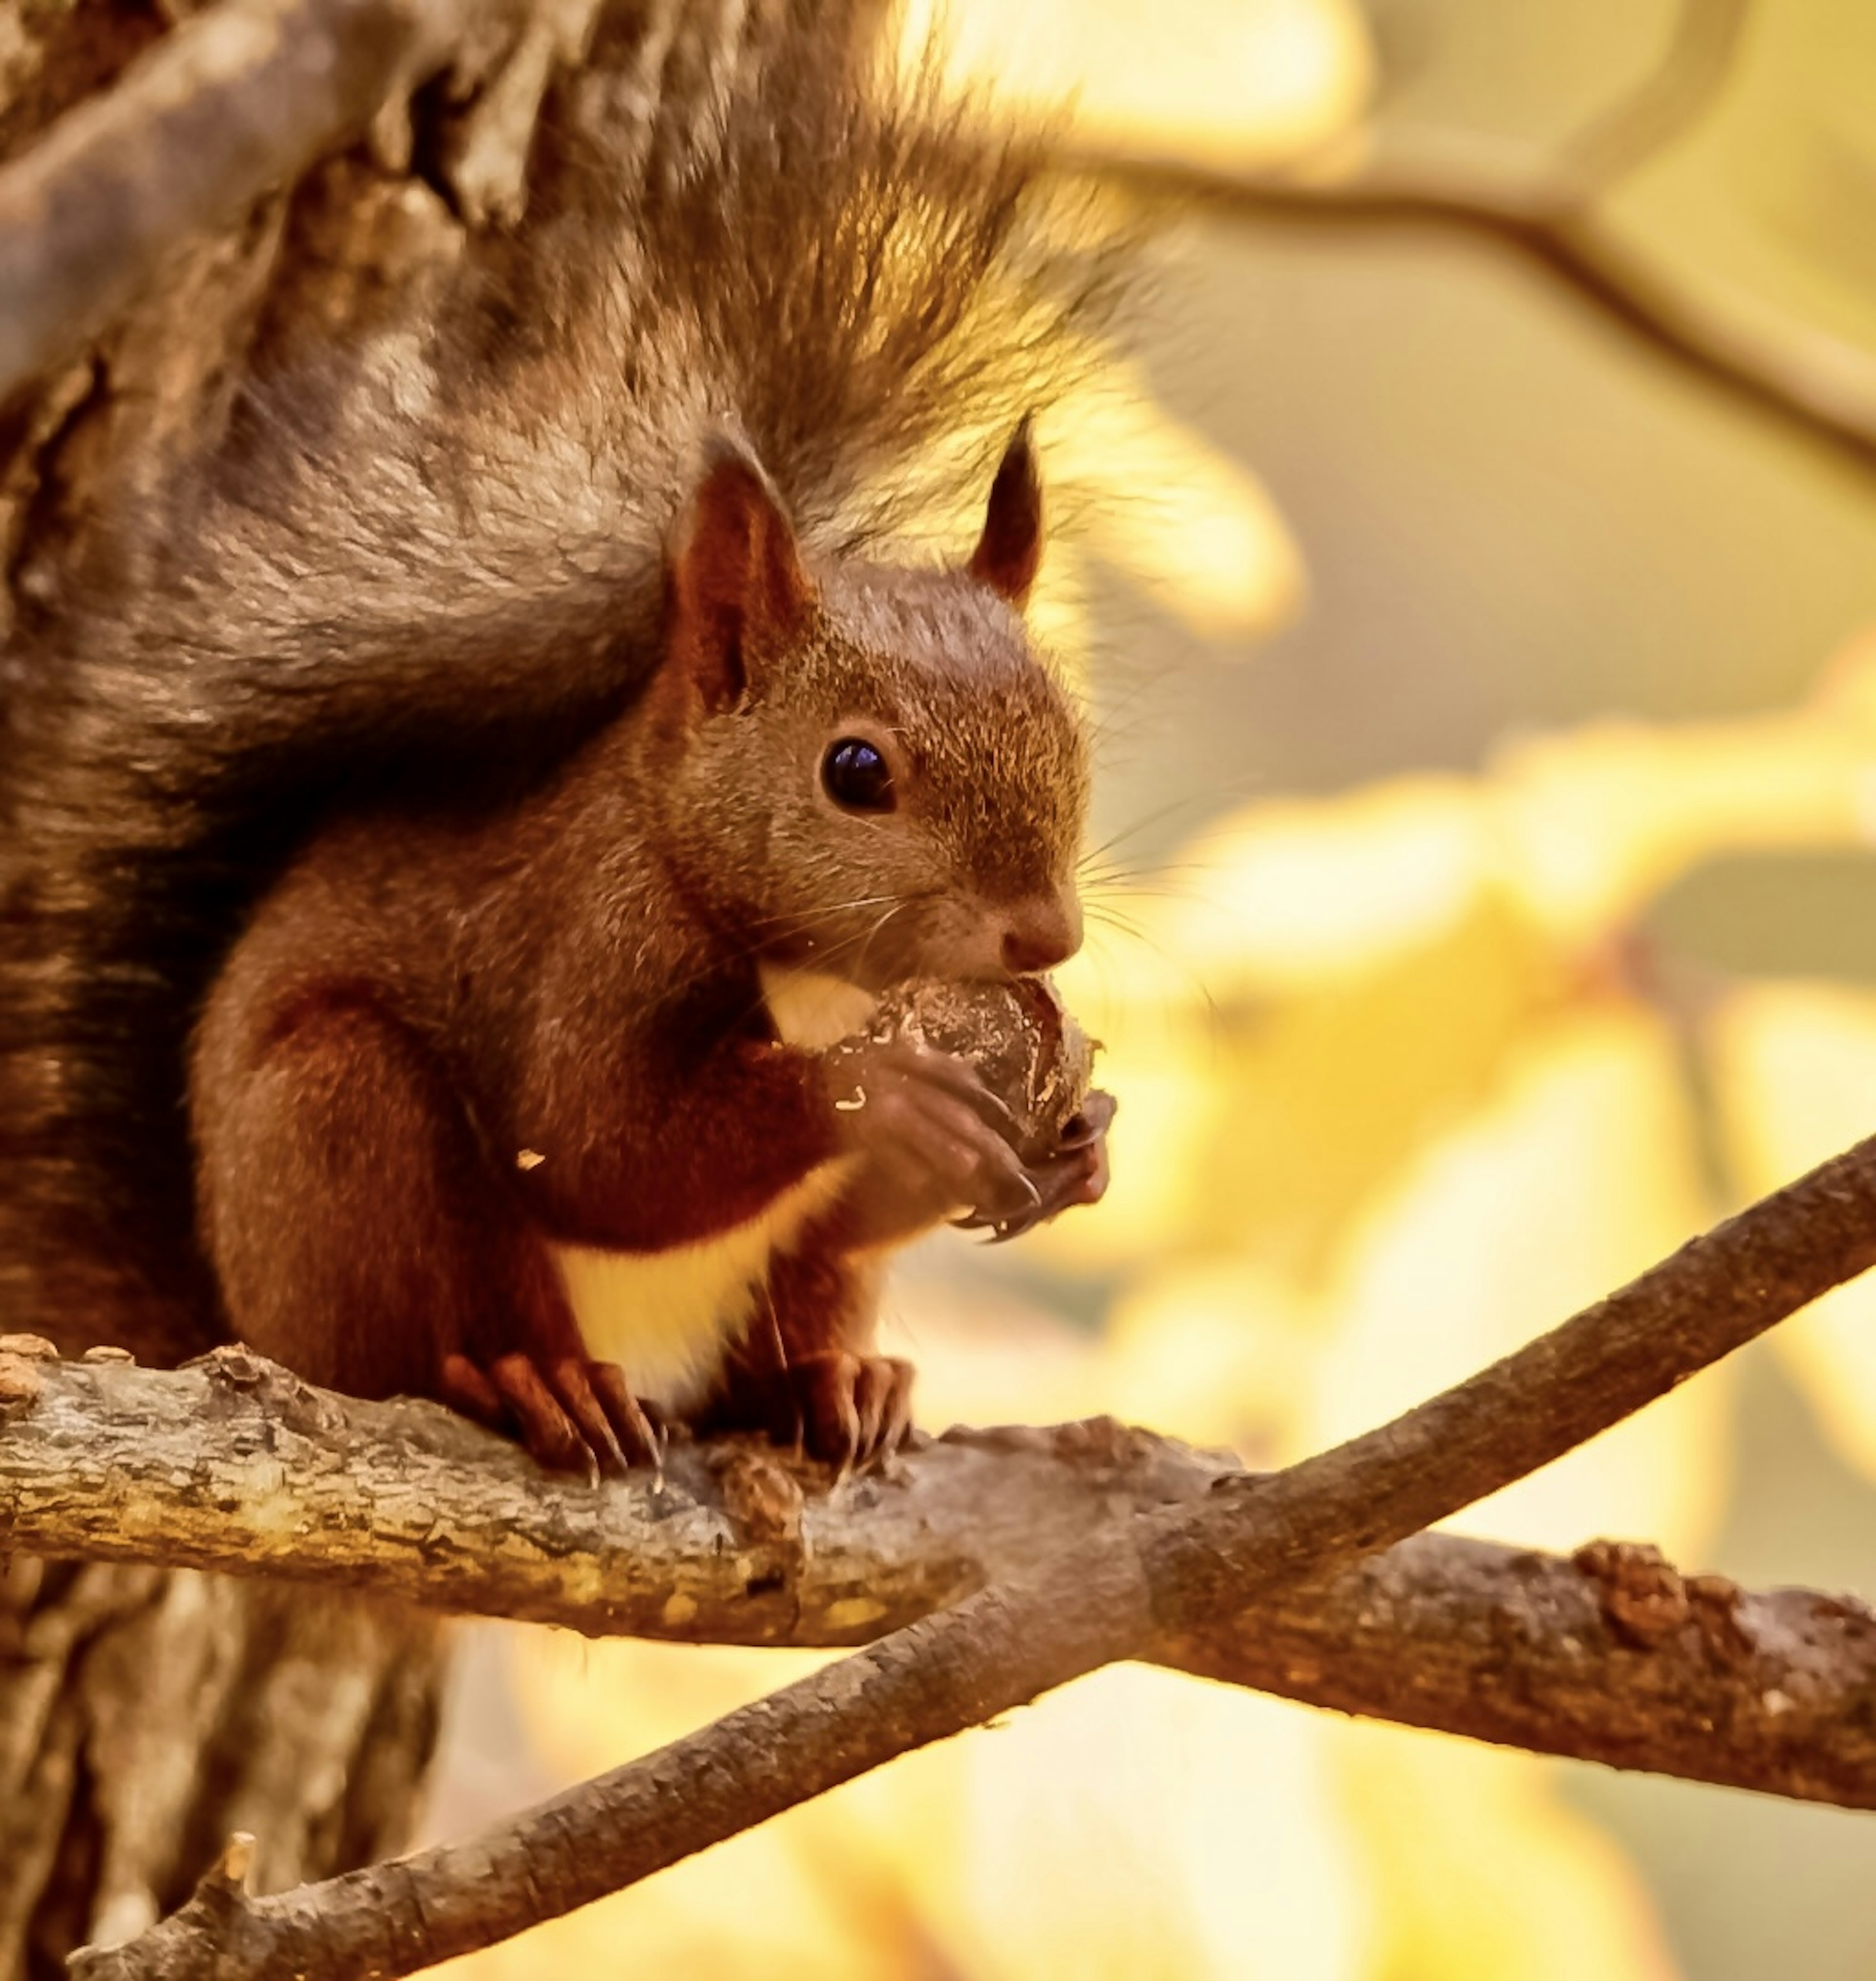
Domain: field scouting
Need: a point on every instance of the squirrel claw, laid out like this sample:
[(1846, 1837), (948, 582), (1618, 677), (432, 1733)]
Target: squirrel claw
[(1076, 1172), (932, 1136), (639, 1427), (570, 1415), (852, 1410)]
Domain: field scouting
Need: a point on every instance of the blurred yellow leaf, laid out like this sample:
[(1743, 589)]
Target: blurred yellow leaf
[(1291, 892), (1217, 1350), (1580, 1170), (1334, 1092), (1574, 833), (1480, 1874), (1191, 526), (1258, 1126), (985, 1353), (1592, 823), (1258, 84), (1845, 692)]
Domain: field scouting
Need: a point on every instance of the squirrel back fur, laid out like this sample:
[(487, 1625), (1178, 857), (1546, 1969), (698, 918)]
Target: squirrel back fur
[(417, 574)]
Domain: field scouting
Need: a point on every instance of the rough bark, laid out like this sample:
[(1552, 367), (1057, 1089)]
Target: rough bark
[(236, 1465), (1611, 1655), (1608, 1656), (236, 101), (145, 1714)]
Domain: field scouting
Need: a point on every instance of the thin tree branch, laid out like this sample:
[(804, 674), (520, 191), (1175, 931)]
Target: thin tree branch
[(1112, 1596), (1717, 1292), (236, 1465), (1802, 377), (1664, 106), (236, 100)]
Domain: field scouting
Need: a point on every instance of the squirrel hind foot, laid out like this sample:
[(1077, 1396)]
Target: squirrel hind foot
[(853, 1411), (568, 1414)]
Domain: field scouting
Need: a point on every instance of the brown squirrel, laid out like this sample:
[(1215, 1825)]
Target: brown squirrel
[(448, 860)]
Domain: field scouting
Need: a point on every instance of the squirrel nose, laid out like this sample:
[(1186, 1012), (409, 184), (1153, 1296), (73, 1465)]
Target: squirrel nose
[(1041, 932)]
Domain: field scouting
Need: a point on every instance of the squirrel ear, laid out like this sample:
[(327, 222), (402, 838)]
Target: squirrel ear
[(737, 591), (1010, 551)]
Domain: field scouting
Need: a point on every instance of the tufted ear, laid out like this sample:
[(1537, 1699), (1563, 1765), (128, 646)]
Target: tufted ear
[(738, 594), (1010, 551)]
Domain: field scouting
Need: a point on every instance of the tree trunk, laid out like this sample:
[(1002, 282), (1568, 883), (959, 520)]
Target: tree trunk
[(145, 1716)]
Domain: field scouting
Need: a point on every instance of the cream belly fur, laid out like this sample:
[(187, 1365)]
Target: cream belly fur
[(668, 1318)]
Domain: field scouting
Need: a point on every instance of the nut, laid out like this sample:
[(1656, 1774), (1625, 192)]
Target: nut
[(1018, 1035)]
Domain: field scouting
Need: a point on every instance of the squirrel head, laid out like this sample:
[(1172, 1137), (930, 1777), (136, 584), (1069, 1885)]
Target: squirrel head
[(864, 769)]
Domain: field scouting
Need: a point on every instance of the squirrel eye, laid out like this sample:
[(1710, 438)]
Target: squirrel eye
[(856, 776)]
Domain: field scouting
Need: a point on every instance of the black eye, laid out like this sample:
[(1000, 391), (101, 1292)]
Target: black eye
[(856, 776)]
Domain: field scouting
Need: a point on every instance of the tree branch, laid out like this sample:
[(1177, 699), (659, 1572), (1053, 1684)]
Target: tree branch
[(1803, 378), (1119, 1592), (1664, 106), (235, 1465), (1609, 1656)]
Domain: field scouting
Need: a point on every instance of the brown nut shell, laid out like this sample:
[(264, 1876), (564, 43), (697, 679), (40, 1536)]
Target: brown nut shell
[(1020, 1035)]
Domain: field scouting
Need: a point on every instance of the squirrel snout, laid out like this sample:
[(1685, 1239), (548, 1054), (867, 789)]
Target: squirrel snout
[(1039, 932)]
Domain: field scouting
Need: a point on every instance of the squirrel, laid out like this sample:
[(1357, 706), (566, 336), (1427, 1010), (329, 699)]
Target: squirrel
[(452, 849)]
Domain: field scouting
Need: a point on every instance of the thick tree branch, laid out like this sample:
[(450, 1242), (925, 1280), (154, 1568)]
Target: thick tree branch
[(1115, 1594), (1610, 1655), (236, 1465), (236, 100)]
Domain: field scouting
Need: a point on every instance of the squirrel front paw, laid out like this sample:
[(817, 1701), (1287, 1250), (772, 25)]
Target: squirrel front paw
[(570, 1413), (1074, 1172), (934, 1142)]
